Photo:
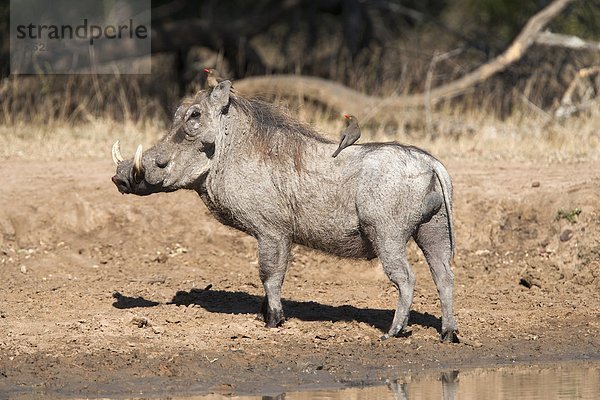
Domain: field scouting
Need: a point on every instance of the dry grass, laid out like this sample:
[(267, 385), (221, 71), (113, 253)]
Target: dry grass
[(528, 138), (75, 117), (62, 141)]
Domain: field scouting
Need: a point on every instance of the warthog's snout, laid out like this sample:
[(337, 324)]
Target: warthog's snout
[(130, 174), (122, 184), (143, 174)]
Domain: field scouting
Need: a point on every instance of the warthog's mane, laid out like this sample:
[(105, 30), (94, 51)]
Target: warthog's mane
[(276, 134)]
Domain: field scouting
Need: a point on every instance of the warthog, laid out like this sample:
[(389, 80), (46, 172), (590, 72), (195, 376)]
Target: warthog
[(262, 172)]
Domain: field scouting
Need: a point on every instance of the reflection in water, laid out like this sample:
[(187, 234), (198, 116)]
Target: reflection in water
[(568, 381), (449, 381)]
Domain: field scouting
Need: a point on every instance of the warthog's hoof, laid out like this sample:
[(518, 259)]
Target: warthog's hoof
[(274, 319), (450, 336), (403, 333), (271, 318)]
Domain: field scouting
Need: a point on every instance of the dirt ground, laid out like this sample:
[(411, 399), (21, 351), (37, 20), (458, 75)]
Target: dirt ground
[(111, 295)]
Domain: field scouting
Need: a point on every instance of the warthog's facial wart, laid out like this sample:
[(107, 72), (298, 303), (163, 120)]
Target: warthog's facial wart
[(183, 156)]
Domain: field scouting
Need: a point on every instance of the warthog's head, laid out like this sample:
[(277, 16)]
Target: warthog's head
[(183, 156)]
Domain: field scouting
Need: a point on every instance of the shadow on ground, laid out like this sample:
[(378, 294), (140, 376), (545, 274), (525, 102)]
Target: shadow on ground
[(222, 301), (125, 302)]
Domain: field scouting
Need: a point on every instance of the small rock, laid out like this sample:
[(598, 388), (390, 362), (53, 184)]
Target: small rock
[(141, 322), (161, 258), (528, 281), (158, 330), (535, 184), (224, 389), (23, 269), (525, 282), (566, 235)]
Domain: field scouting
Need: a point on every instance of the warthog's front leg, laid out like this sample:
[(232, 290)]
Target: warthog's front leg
[(273, 259)]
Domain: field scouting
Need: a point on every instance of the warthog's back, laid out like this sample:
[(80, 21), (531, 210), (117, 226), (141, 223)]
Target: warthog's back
[(335, 197)]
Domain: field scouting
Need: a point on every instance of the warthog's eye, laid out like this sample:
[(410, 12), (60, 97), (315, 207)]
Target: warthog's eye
[(191, 126)]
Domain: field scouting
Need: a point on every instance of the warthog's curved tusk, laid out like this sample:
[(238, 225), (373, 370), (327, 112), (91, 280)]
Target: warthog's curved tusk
[(116, 153), (138, 169)]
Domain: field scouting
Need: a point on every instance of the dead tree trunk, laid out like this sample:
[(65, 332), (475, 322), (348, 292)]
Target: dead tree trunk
[(342, 98)]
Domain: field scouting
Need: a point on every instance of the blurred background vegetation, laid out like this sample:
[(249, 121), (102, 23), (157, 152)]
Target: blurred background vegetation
[(381, 47)]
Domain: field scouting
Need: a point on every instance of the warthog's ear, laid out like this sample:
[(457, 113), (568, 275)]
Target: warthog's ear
[(220, 95)]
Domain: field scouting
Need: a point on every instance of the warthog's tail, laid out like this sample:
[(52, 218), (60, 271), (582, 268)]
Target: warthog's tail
[(441, 173)]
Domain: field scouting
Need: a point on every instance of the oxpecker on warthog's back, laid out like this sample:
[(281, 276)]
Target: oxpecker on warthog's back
[(266, 174)]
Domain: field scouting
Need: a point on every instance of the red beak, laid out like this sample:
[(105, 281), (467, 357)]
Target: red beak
[(346, 116), (206, 70)]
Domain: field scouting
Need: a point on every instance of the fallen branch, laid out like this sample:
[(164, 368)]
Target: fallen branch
[(567, 41), (342, 98)]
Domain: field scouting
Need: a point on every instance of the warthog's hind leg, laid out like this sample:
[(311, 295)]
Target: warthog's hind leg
[(273, 259), (434, 241), (395, 265)]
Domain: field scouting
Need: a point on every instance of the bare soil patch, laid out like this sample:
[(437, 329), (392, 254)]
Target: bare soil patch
[(107, 295)]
